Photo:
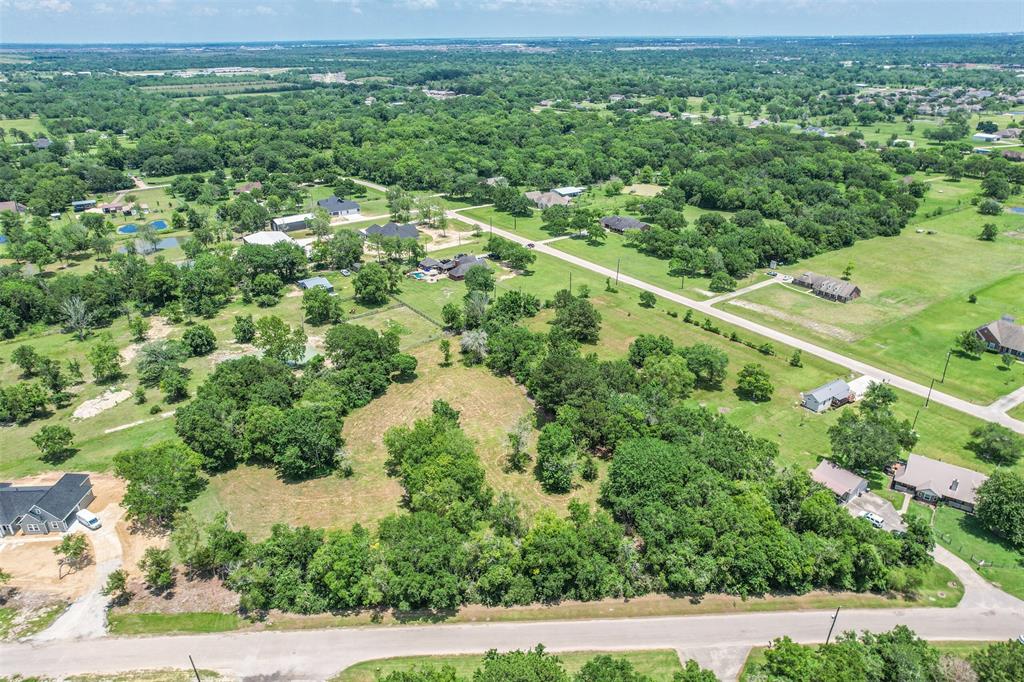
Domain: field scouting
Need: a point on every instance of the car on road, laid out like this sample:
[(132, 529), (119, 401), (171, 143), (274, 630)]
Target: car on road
[(875, 520), (530, 245), (772, 273), (88, 519)]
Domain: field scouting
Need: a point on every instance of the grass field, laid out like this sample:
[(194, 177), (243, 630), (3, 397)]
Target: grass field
[(171, 623), (33, 126), (658, 664), (964, 535), (914, 301)]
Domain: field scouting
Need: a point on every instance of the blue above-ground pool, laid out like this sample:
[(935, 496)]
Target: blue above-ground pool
[(3, 239), (130, 228), (159, 225), (1017, 209)]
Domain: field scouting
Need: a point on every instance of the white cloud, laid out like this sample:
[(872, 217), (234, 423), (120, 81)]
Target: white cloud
[(265, 10), (58, 6)]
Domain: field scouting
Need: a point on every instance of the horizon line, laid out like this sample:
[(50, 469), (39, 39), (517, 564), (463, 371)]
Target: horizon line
[(579, 37)]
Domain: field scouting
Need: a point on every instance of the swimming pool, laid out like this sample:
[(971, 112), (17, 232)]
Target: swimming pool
[(159, 225), (418, 275), (1017, 209), (3, 239), (130, 228)]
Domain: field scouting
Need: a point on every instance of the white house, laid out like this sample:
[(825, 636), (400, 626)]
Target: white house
[(832, 394), (569, 191), (985, 137), (266, 238)]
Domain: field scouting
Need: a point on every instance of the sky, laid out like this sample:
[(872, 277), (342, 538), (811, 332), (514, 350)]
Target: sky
[(120, 21)]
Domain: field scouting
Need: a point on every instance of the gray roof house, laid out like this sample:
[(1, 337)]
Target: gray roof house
[(832, 394), (828, 287), (462, 264), (623, 224), (934, 481), (313, 282), (44, 508), (1003, 336), (845, 485), (392, 229), (82, 204), (338, 207), (429, 263), (42, 143)]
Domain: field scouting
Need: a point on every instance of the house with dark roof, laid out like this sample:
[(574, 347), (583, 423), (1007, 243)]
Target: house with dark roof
[(833, 394), (1004, 336), (338, 207), (291, 222), (828, 287), (429, 263), (392, 229), (40, 509), (12, 206), (460, 265), (82, 205), (623, 224)]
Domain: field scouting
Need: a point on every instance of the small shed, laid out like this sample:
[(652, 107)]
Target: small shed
[(845, 485), (314, 282), (832, 394)]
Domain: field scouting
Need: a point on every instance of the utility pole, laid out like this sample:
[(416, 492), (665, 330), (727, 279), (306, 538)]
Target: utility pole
[(914, 425), (570, 281), (835, 617), (617, 261), (929, 397), (198, 679), (948, 354)]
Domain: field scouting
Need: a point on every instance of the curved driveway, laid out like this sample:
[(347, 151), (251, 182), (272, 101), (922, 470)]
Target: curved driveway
[(994, 412)]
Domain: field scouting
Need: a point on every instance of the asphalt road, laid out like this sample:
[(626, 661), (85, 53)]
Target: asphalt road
[(994, 412)]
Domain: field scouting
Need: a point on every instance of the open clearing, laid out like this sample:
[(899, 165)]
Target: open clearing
[(914, 301)]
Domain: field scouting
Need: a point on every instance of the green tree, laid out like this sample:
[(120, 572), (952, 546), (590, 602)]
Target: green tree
[(754, 383), (139, 327), (161, 479), (28, 359), (320, 223), (446, 352), (73, 551), (999, 662), (279, 341), (557, 458), (480, 278), (199, 340), (372, 284), (516, 439), (244, 329), (707, 363), (116, 587), (451, 315), (721, 282), (1000, 505), (796, 359), (577, 317), (157, 569), (869, 438), (535, 665), (989, 232), (647, 299), (473, 343), (105, 360), (969, 344), (320, 307), (669, 375), (54, 441), (997, 444)]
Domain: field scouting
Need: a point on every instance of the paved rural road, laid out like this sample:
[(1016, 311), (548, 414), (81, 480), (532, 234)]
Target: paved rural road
[(991, 412)]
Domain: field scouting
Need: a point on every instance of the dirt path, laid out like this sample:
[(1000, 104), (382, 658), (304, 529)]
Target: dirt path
[(107, 400), (86, 618)]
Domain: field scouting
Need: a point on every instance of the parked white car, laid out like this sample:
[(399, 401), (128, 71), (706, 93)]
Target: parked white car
[(876, 520), (88, 519)]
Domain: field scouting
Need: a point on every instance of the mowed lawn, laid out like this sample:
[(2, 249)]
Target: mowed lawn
[(963, 534), (914, 302), (32, 125), (658, 664)]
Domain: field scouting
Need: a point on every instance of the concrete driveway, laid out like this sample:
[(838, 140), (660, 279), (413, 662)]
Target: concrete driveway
[(870, 502)]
